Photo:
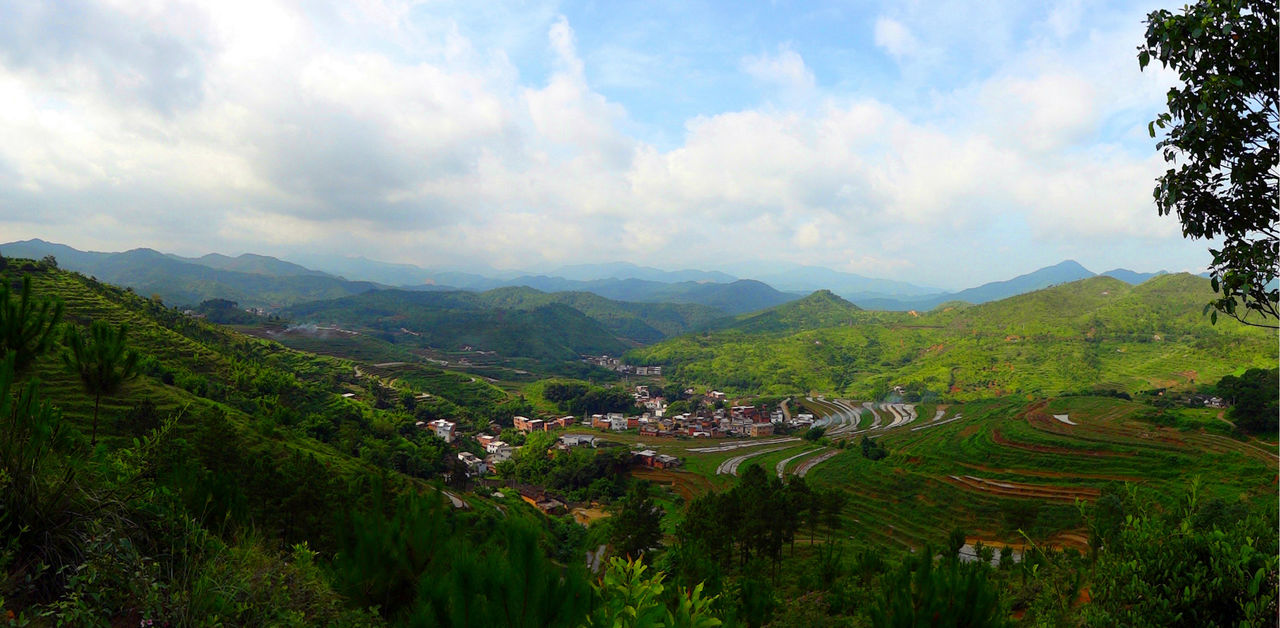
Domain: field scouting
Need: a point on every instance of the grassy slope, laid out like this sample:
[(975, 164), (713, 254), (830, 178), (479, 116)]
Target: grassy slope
[(216, 354), (1098, 332)]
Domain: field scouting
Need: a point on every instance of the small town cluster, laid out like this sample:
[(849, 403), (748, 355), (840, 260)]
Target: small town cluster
[(615, 364), (733, 421)]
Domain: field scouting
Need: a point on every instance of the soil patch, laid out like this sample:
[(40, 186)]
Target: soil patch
[(687, 485)]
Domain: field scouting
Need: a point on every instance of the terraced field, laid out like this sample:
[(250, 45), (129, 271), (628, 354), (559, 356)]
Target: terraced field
[(998, 469)]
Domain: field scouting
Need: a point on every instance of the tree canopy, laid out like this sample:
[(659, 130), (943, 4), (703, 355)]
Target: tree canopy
[(1222, 143)]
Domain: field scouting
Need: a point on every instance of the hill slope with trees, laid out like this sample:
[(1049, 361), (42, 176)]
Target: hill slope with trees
[(1096, 334)]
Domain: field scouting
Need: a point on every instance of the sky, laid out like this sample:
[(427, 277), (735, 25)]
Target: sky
[(941, 143)]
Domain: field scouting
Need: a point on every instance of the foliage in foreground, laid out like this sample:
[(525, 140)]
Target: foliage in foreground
[(1223, 146)]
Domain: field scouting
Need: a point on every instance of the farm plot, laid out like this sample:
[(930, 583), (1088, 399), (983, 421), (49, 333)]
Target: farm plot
[(990, 470), (730, 466), (781, 467), (1018, 489), (809, 464), (741, 445)]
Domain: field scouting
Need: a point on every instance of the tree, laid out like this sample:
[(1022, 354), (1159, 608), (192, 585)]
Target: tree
[(637, 524), (1222, 128), (628, 597), (26, 325), (102, 361)]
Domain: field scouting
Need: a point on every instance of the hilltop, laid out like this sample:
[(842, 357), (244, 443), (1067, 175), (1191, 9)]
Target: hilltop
[(823, 308)]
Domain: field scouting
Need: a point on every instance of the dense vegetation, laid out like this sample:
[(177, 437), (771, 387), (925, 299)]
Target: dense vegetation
[(454, 320), (234, 485), (1099, 333), (249, 280)]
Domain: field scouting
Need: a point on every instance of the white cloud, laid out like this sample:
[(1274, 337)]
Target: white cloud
[(785, 69), (895, 38), (264, 134)]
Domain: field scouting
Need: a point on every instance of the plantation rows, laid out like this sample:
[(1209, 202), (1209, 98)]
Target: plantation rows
[(1012, 467)]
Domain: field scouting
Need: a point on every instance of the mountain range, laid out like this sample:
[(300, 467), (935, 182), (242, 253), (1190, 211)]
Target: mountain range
[(267, 282)]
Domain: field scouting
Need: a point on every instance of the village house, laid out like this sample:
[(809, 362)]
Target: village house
[(498, 452), (651, 458), (475, 466), (618, 424), (564, 421), (599, 421), (446, 430), (578, 440), (542, 501), (525, 425), (485, 439), (760, 429)]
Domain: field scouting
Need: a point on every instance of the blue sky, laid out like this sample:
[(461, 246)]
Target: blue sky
[(944, 143)]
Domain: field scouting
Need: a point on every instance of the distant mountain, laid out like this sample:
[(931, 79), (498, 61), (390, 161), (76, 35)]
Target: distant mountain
[(643, 323), (1131, 277), (626, 270), (1062, 272), (809, 278), (453, 320), (254, 264), (744, 295), (818, 310), (181, 282), (361, 269)]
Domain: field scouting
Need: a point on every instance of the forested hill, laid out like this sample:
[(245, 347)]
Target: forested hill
[(820, 309), (1097, 333), (453, 320), (240, 482), (644, 323), (250, 280)]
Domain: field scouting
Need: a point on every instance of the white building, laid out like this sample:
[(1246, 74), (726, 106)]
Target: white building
[(444, 429)]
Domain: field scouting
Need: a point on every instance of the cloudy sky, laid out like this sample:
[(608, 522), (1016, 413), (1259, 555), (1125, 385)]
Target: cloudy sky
[(944, 143)]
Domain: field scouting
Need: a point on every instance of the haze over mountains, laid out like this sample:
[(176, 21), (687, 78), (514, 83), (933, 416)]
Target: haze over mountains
[(268, 282)]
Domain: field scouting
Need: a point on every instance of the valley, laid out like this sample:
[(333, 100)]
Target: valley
[(1014, 426)]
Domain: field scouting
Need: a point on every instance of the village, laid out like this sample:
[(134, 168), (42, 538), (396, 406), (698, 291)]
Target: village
[(712, 420)]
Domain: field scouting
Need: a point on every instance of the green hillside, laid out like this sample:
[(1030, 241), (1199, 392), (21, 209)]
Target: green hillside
[(820, 309), (251, 281), (235, 484), (453, 320), (1098, 333), (644, 323)]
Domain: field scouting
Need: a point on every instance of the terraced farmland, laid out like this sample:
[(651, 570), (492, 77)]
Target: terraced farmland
[(997, 469)]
